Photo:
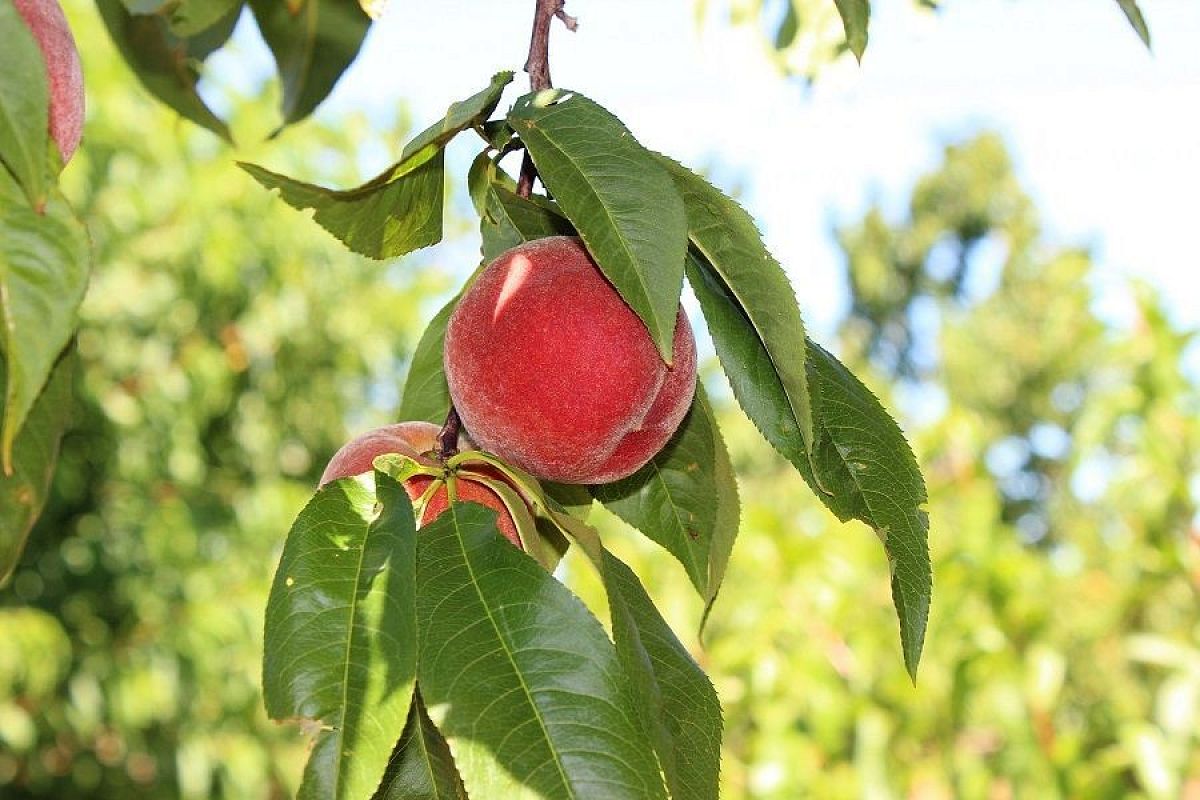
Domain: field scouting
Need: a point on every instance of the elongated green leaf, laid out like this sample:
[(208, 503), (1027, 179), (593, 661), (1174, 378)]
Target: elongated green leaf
[(44, 266), (166, 64), (680, 707), (617, 195), (191, 17), (727, 236), (855, 16), (426, 395), (24, 106), (519, 676), (341, 633), (395, 213), (422, 767), (460, 116), (679, 499), (512, 220), (866, 469), (313, 42), (23, 493), (1133, 13)]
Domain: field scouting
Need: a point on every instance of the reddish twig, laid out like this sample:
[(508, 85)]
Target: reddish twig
[(447, 438)]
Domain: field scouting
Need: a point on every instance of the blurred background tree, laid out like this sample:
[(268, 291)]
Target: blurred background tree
[(229, 347)]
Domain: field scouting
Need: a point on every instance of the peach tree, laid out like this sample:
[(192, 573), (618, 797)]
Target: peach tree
[(415, 623)]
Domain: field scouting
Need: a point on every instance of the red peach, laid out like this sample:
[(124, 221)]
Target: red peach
[(552, 371), (417, 440), (64, 74)]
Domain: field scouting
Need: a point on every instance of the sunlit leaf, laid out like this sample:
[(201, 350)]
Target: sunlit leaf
[(617, 195), (341, 633), (395, 213), (855, 16), (1134, 14), (24, 104), (865, 468), (313, 42), (45, 261), (679, 706), (166, 64), (460, 116), (519, 676), (23, 493)]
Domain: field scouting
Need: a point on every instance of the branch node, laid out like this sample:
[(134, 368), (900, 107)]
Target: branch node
[(572, 23)]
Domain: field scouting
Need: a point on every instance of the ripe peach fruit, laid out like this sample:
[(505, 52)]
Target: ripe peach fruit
[(64, 74), (551, 370), (417, 440)]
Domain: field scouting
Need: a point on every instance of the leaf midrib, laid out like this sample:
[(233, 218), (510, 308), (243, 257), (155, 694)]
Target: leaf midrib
[(362, 553), (511, 660)]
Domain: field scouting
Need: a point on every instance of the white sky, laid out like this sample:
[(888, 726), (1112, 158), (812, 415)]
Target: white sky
[(1105, 135)]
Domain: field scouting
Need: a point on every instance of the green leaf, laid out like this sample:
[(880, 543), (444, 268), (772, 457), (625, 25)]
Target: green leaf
[(678, 703), (313, 42), (460, 116), (341, 633), (395, 213), (166, 64), (422, 767), (45, 260), (23, 493), (730, 242), (865, 468), (617, 195), (1134, 14), (680, 499), (24, 106), (855, 16), (512, 220), (191, 17), (519, 676), (426, 395)]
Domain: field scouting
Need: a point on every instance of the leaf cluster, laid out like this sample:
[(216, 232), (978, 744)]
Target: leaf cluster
[(648, 222)]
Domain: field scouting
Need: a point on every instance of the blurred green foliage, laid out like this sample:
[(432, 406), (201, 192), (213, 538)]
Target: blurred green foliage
[(229, 345)]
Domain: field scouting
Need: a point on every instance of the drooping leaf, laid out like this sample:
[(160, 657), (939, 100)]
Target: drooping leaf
[(681, 500), (45, 260), (1133, 13), (395, 213), (192, 17), (518, 676), (617, 195), (23, 493), (512, 220), (341, 636), (313, 42), (166, 64), (727, 236), (422, 767), (24, 106), (460, 116), (865, 468), (679, 706), (855, 16)]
